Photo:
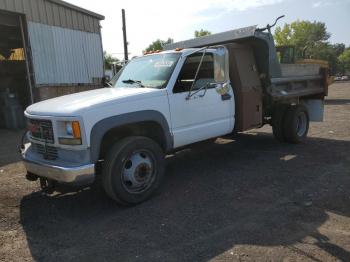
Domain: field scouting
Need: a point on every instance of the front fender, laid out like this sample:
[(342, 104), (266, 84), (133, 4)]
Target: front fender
[(102, 127)]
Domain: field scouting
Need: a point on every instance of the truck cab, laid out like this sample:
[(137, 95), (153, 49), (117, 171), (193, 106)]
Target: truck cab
[(196, 90)]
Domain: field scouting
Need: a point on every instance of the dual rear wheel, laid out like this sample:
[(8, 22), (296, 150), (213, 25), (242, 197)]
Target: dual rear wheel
[(290, 123)]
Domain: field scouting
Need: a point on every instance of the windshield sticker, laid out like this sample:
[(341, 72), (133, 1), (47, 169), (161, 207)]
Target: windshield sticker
[(163, 63)]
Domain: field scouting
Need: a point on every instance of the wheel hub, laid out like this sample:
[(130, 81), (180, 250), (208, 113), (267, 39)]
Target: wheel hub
[(138, 172), (142, 172)]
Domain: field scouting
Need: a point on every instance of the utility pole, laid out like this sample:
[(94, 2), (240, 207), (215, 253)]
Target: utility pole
[(124, 37)]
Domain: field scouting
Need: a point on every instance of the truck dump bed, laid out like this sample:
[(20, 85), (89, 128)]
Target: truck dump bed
[(279, 81), (259, 81)]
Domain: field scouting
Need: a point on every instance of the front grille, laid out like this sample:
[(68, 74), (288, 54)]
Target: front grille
[(41, 130), (48, 152)]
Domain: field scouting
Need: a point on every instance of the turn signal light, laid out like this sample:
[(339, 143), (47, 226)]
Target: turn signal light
[(76, 129)]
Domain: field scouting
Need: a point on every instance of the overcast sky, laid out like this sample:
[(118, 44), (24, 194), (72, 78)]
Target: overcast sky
[(152, 19)]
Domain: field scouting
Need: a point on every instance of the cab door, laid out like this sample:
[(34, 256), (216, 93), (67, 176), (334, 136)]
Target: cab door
[(198, 110)]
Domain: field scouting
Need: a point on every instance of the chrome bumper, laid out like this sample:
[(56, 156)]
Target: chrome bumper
[(59, 173)]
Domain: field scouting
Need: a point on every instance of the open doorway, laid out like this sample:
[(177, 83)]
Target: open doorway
[(15, 85)]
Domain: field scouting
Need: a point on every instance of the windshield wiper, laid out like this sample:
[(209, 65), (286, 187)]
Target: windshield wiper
[(130, 81)]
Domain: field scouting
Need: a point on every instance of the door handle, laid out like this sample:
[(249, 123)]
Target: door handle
[(194, 94), (225, 97), (193, 97)]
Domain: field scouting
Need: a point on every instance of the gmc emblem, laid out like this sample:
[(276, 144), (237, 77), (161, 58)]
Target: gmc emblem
[(33, 128)]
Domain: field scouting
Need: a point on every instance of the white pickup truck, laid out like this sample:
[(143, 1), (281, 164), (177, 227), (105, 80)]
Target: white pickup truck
[(198, 89)]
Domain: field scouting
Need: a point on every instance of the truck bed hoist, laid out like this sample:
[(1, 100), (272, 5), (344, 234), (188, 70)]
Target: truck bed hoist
[(162, 101)]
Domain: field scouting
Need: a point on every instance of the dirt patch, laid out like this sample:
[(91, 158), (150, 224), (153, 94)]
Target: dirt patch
[(249, 199)]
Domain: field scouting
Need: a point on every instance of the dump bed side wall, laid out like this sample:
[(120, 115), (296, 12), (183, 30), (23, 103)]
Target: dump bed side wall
[(247, 87)]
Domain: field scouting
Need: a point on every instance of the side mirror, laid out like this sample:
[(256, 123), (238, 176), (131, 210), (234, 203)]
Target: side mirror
[(106, 81), (222, 88)]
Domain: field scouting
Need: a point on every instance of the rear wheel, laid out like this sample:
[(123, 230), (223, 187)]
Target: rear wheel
[(296, 124), (278, 122), (133, 170)]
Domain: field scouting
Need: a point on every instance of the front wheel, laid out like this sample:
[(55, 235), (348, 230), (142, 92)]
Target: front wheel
[(133, 170)]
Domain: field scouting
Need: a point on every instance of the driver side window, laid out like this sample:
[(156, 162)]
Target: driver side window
[(188, 72)]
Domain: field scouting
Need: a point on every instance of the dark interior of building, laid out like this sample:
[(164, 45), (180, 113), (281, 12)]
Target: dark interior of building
[(14, 85)]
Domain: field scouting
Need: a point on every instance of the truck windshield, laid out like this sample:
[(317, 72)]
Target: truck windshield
[(151, 71)]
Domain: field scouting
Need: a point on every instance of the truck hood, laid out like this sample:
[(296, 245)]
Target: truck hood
[(75, 104)]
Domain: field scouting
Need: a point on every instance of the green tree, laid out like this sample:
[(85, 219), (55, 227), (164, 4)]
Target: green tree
[(201, 33), (159, 44), (310, 40), (304, 35), (330, 53), (344, 61), (109, 60), (339, 48)]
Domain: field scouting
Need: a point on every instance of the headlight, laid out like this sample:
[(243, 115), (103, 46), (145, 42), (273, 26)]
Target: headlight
[(72, 133), (69, 128)]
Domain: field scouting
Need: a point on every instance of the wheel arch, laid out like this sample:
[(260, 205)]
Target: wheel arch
[(149, 123)]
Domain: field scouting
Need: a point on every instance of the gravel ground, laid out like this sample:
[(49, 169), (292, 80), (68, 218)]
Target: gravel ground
[(250, 199)]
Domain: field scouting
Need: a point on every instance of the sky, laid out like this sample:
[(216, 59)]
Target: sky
[(159, 19)]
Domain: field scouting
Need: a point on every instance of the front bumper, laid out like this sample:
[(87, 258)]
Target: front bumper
[(83, 173)]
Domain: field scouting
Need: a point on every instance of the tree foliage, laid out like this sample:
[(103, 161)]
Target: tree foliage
[(344, 61), (304, 35), (109, 60), (201, 33), (330, 53), (159, 44), (310, 40)]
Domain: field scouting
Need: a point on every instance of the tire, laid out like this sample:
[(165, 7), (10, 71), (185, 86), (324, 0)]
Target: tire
[(296, 124), (278, 122), (133, 170)]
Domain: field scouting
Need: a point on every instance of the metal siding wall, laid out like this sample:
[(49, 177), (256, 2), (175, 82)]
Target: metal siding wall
[(49, 14), (18, 5), (10, 4), (65, 56), (27, 9), (46, 12), (34, 6)]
